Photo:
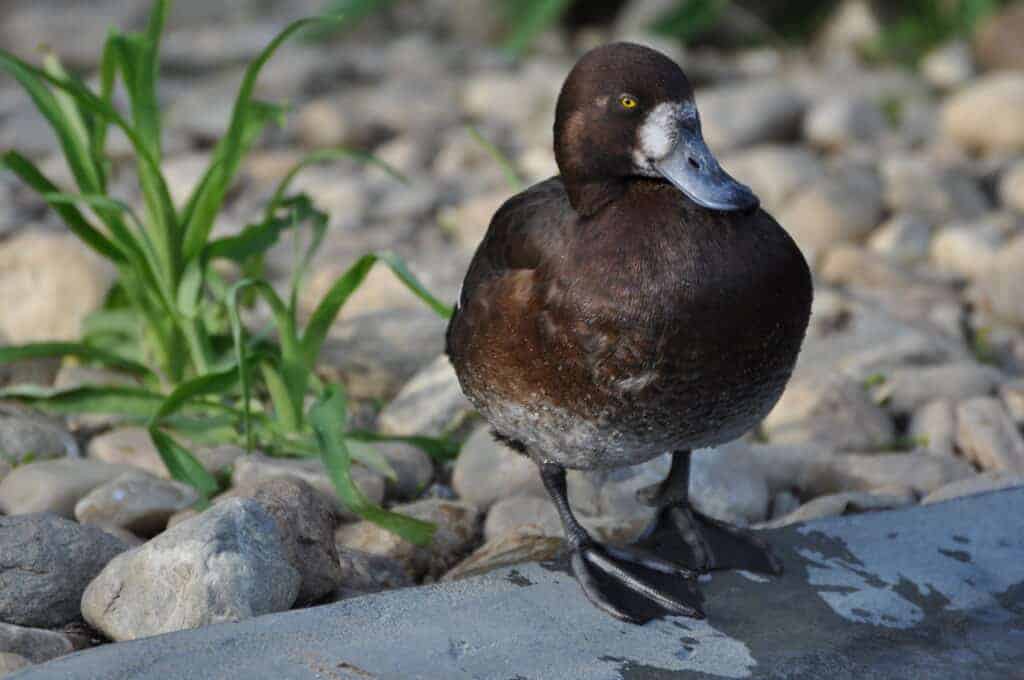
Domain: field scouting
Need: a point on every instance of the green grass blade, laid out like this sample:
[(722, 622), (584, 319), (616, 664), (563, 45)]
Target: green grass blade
[(532, 18), (304, 212), (286, 408), (134, 402), (335, 298), (346, 14), (182, 465), (40, 350), (139, 252), (326, 156), (255, 239), (503, 161), (440, 449), (73, 218), (368, 454), (209, 192), (108, 73), (327, 417), (75, 121), (139, 60), (201, 215), (153, 184), (290, 347), (215, 383), (76, 149)]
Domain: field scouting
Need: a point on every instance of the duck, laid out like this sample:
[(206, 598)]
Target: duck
[(639, 303)]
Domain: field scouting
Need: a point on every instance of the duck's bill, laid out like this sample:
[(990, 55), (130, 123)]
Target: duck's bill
[(694, 170)]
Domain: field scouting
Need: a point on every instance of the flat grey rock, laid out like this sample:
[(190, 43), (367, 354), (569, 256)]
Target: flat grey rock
[(935, 592)]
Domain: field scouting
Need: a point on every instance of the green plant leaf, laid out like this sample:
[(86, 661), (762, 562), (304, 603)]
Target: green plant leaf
[(78, 350), (154, 186), (254, 240), (440, 449), (532, 18), (327, 418), (139, 61), (76, 149), (218, 382), (228, 157), (294, 374), (335, 298), (134, 402), (27, 171), (368, 454), (182, 465), (75, 122)]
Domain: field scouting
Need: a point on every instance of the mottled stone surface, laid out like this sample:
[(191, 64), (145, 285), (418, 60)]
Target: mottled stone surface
[(934, 592)]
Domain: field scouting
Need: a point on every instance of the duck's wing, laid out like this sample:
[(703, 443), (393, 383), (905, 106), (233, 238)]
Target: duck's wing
[(526, 230)]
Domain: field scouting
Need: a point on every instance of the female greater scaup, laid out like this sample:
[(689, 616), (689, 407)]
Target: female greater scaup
[(640, 302)]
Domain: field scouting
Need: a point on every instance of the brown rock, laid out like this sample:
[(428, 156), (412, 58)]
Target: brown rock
[(524, 544), (362, 573), (997, 41), (988, 436), (457, 530)]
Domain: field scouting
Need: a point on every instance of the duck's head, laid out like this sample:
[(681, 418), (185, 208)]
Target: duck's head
[(628, 111)]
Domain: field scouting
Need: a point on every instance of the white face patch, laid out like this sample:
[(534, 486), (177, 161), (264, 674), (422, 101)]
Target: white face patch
[(656, 136)]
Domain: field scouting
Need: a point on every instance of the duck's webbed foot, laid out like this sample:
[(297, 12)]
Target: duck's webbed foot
[(701, 542), (626, 583)]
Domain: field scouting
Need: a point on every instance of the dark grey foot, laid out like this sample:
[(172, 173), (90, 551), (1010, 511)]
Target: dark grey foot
[(705, 544), (634, 586)]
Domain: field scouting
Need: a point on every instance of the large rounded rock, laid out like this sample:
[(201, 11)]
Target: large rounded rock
[(49, 283), (487, 471), (938, 194), (46, 562), (1001, 287), (834, 411), (742, 115), (431, 403), (517, 511), (26, 435), (307, 519), (774, 172), (414, 469), (726, 484), (842, 207), (226, 564), (135, 501), (256, 468), (904, 390), (129, 446), (54, 485), (842, 122), (985, 115)]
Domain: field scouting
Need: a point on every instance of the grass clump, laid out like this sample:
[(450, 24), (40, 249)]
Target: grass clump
[(171, 320)]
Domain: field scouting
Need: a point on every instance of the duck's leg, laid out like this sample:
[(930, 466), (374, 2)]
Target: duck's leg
[(627, 583), (704, 542)]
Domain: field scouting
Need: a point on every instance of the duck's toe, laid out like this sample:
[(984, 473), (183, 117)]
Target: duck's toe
[(704, 543), (634, 586)]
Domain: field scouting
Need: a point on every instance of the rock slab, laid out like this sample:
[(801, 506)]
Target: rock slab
[(934, 592)]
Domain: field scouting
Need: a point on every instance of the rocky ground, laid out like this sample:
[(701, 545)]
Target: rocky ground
[(904, 188)]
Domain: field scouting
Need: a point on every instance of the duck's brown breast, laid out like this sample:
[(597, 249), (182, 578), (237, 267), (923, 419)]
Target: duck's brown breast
[(660, 326)]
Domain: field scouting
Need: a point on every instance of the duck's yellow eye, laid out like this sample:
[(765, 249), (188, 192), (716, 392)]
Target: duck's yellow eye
[(628, 102)]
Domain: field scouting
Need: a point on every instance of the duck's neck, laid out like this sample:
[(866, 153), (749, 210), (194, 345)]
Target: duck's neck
[(589, 197)]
